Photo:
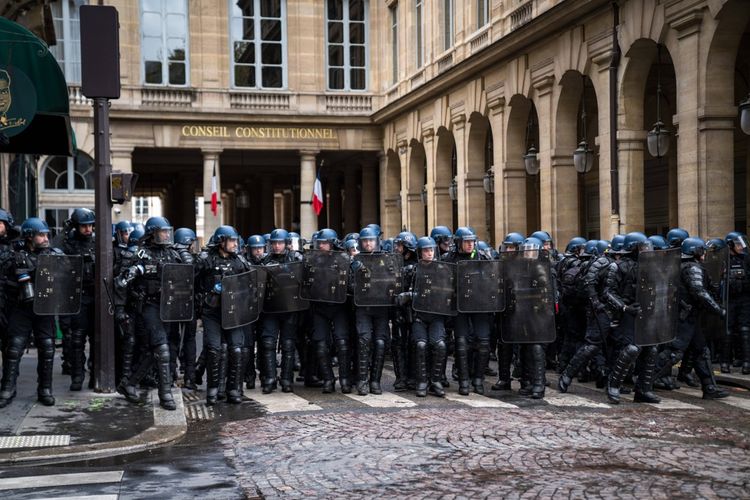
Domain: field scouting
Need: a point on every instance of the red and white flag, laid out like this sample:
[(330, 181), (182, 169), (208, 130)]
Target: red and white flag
[(214, 194), (317, 200)]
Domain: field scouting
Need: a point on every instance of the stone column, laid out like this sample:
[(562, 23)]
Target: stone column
[(390, 214), (211, 221), (351, 200), (716, 129), (122, 160), (403, 158), (464, 184), (334, 198), (601, 55), (496, 103), (630, 147), (308, 219)]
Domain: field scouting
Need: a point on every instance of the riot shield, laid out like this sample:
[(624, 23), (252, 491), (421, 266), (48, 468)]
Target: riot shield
[(283, 287), (716, 264), (176, 303), (435, 288), (239, 299), (58, 284), (480, 286), (656, 292), (261, 281), (325, 276), (529, 316), (377, 278)]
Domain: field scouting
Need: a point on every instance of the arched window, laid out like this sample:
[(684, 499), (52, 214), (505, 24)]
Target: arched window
[(61, 173)]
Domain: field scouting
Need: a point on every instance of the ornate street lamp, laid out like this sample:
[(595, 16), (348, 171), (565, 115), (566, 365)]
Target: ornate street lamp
[(453, 190), (583, 157), (242, 200), (488, 182), (745, 115), (423, 195), (658, 138), (531, 158)]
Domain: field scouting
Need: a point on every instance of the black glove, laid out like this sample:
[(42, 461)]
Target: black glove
[(633, 309), (403, 298), (121, 317)]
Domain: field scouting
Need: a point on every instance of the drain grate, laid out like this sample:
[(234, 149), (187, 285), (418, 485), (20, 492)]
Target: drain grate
[(7, 442), (197, 412), (191, 396)]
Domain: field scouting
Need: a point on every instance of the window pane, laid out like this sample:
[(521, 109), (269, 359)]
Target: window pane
[(357, 32), (56, 174), (176, 6), (242, 8), (270, 30), (176, 48), (335, 9), (270, 8), (153, 71), (177, 73), (244, 76), (176, 26), (271, 53), (272, 77), (244, 52), (243, 28), (335, 32), (151, 49), (84, 172), (335, 55), (357, 10), (151, 24), (357, 77), (151, 5), (336, 78), (357, 55)]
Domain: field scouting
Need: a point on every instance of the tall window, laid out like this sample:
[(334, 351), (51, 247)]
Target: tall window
[(67, 50), (346, 39), (448, 14), (61, 173), (418, 18), (483, 12), (394, 44), (164, 41), (258, 31)]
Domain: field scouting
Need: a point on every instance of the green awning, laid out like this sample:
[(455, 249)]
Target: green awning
[(34, 108)]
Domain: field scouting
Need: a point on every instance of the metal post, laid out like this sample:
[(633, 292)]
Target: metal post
[(104, 334)]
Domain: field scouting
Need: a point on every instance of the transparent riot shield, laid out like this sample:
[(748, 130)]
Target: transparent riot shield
[(283, 285), (377, 278), (529, 316), (176, 302), (716, 264), (480, 286), (58, 284), (239, 299), (325, 276), (656, 292), (435, 288)]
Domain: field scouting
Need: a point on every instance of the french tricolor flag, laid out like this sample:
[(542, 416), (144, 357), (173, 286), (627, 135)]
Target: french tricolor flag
[(317, 200), (214, 194)]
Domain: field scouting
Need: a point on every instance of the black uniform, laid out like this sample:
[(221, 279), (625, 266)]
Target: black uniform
[(400, 333), (739, 310)]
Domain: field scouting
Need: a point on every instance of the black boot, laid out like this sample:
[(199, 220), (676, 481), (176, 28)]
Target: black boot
[(268, 350), (581, 358), (166, 400), (644, 392), (287, 366), (10, 375), (323, 355), (363, 365), (685, 373), (461, 359), (77, 371), (745, 338), (504, 355), (234, 375), (708, 382), (376, 371), (200, 368), (622, 365), (420, 350), (342, 348), (128, 387), (128, 348), (222, 393), (248, 367), (725, 353), (538, 371), (213, 360), (439, 353), (46, 353), (481, 361), (311, 367), (399, 351)]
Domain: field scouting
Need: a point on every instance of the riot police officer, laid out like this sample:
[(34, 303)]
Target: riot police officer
[(7, 234), (18, 299), (221, 260), (255, 252), (278, 327), (80, 241), (144, 275), (676, 236), (405, 244), (739, 299), (182, 344), (443, 236)]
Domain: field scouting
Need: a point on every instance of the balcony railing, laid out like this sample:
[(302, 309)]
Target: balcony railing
[(76, 97), (348, 103), (171, 98), (520, 16), (259, 100)]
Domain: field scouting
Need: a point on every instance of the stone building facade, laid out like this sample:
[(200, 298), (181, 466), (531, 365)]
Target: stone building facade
[(420, 112)]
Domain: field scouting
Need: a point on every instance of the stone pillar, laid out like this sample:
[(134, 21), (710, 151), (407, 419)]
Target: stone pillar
[(267, 221), (211, 221), (630, 150), (334, 198), (464, 184), (351, 200), (496, 103), (122, 160), (601, 55), (390, 218), (403, 158), (716, 132), (308, 219)]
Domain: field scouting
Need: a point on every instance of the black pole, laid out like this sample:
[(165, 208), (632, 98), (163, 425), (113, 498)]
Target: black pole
[(614, 66), (104, 331)]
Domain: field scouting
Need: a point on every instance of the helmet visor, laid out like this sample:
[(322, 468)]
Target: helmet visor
[(294, 244), (646, 246), (164, 235), (530, 250), (740, 243)]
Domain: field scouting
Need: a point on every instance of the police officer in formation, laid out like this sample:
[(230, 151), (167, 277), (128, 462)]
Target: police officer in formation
[(595, 297)]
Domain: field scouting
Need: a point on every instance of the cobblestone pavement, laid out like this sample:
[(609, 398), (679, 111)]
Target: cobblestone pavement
[(447, 450)]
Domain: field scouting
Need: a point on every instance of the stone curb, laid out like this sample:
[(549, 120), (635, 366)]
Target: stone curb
[(168, 426)]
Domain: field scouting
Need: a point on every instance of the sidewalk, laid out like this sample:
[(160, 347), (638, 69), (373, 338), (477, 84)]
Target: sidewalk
[(81, 425)]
